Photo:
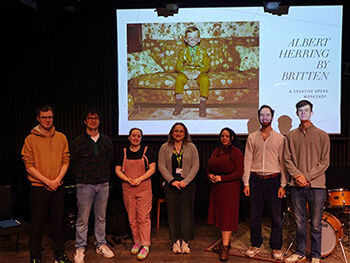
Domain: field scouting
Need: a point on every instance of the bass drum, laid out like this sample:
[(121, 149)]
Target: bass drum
[(332, 231)]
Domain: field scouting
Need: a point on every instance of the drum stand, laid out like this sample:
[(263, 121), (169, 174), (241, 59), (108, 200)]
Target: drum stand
[(341, 246), (287, 218), (342, 250), (349, 233), (290, 245), (346, 212)]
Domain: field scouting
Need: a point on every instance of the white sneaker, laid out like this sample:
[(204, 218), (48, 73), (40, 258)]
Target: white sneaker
[(252, 251), (105, 251), (185, 249), (315, 260), (277, 254), (79, 256), (176, 248), (295, 258)]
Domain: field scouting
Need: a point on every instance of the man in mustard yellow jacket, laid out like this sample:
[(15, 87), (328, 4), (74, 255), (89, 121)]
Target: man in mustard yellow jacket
[(192, 63), (46, 157)]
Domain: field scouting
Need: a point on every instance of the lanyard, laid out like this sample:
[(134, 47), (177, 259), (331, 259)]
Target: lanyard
[(178, 155)]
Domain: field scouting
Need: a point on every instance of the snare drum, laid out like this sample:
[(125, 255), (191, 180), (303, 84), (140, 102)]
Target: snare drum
[(338, 198), (332, 232)]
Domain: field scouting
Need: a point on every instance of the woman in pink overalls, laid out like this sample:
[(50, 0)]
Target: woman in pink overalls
[(135, 169)]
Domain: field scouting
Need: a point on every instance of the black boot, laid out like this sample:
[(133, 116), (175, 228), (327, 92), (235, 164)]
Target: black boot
[(178, 107), (202, 109), (224, 253)]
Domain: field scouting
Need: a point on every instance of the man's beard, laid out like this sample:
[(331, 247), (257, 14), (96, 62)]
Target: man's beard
[(265, 123)]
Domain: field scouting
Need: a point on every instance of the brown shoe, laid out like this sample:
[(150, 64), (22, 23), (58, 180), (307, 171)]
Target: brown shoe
[(224, 253)]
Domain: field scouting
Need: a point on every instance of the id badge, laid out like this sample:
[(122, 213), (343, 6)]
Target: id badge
[(179, 171)]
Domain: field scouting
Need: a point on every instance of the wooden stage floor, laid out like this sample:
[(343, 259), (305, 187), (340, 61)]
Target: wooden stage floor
[(160, 249)]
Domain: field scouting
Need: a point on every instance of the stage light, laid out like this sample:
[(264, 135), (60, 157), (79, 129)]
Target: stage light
[(31, 3), (168, 8), (272, 5), (71, 6), (276, 8)]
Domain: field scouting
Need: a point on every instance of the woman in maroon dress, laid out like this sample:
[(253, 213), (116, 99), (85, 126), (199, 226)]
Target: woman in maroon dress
[(225, 170)]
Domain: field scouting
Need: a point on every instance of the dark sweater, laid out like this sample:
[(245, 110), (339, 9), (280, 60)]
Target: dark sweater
[(90, 160)]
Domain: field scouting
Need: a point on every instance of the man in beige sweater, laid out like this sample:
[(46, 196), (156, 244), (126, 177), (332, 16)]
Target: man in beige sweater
[(264, 180), (46, 158), (306, 157)]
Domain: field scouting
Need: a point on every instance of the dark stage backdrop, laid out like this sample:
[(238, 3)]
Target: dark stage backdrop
[(68, 60)]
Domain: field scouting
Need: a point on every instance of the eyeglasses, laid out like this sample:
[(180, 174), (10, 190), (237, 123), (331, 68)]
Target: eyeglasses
[(46, 117), (93, 118)]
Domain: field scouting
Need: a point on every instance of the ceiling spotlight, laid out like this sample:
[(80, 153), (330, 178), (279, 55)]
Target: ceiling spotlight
[(168, 8), (269, 5), (71, 6), (275, 8), (30, 3), (172, 7)]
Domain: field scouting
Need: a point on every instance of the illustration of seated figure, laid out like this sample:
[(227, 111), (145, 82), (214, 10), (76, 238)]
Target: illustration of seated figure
[(192, 64)]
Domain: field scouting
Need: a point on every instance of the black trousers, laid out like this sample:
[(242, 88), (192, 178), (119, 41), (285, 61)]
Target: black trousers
[(264, 194), (43, 203), (180, 204)]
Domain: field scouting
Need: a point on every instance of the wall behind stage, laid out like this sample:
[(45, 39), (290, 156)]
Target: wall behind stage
[(68, 60)]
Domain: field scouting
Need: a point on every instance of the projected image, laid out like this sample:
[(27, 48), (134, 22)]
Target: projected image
[(193, 70), (230, 62)]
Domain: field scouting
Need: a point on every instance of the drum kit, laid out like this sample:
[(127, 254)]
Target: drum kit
[(338, 203)]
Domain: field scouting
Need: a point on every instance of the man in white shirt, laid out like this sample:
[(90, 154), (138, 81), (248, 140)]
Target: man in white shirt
[(264, 180)]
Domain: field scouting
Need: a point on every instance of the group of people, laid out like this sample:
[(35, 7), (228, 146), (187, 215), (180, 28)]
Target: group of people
[(47, 157), (268, 163), (271, 162)]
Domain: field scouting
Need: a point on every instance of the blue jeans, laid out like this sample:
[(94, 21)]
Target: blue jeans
[(88, 195), (315, 198)]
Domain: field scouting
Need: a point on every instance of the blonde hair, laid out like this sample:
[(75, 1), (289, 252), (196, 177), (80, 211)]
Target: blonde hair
[(191, 30)]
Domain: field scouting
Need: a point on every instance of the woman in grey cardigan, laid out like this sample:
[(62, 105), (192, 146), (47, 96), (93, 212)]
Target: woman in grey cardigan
[(178, 162)]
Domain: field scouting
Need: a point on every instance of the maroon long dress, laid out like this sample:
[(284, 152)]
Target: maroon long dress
[(224, 196)]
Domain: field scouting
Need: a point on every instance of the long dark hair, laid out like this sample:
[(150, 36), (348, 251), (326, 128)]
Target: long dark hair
[(187, 135), (234, 139)]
